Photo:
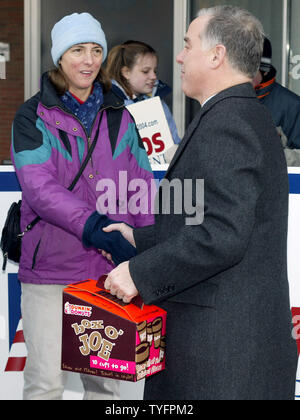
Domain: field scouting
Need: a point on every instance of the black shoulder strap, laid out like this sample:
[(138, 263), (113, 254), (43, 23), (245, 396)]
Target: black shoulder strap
[(88, 157), (75, 180), (114, 118)]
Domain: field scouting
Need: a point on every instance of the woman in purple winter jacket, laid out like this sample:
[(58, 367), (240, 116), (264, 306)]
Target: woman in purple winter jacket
[(52, 132)]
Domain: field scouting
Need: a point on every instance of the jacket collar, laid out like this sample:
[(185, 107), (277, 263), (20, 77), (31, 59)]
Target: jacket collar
[(265, 88), (244, 90), (50, 98), (119, 91), (160, 89)]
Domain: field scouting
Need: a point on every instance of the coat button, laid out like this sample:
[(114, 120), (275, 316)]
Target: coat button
[(75, 129), (57, 122), (91, 176)]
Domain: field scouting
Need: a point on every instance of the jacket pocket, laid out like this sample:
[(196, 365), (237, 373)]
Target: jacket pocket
[(35, 254), (201, 295), (41, 246)]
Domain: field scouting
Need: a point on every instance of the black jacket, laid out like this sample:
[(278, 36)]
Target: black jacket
[(284, 106), (224, 283)]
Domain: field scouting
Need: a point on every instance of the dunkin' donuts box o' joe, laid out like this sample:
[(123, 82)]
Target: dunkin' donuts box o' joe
[(103, 336)]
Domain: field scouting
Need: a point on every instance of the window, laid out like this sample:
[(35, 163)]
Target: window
[(270, 13)]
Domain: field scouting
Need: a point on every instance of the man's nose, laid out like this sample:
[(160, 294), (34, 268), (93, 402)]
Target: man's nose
[(179, 58)]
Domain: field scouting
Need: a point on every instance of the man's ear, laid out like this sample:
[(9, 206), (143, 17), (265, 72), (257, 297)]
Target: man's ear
[(218, 56)]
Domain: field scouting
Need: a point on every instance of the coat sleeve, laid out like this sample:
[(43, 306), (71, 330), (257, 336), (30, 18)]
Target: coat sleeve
[(285, 109), (291, 126), (231, 162), (145, 238), (33, 157)]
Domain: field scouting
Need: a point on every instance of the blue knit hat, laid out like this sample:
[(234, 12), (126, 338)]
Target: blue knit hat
[(76, 29)]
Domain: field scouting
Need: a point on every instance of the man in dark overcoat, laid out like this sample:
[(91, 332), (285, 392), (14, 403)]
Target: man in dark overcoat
[(223, 281)]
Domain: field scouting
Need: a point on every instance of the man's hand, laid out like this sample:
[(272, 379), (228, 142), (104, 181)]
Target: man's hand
[(125, 230), (120, 283)]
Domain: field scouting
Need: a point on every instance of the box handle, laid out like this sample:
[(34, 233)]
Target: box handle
[(137, 301)]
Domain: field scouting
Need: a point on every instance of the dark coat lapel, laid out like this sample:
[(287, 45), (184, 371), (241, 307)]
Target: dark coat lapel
[(242, 90), (189, 133)]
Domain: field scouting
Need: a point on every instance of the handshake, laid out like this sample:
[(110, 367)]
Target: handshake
[(117, 244), (125, 230), (115, 239)]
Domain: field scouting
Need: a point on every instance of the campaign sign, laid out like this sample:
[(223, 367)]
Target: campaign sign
[(153, 127)]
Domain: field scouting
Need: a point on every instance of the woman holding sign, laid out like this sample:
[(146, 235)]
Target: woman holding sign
[(54, 133), (132, 66)]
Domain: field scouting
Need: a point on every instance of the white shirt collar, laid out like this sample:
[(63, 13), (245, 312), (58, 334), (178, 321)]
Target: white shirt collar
[(208, 99)]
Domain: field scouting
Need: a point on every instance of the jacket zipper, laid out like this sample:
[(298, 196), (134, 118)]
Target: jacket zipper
[(89, 145)]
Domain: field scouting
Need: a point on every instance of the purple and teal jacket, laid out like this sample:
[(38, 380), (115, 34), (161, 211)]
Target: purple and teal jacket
[(48, 146)]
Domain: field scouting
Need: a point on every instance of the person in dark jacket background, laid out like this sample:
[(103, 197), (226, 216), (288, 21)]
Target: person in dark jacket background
[(283, 104)]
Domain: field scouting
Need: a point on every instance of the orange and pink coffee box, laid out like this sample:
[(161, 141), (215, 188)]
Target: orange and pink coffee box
[(103, 336)]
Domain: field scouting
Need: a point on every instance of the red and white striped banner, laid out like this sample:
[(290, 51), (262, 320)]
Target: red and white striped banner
[(18, 352)]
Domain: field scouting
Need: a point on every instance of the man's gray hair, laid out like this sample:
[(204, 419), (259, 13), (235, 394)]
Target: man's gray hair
[(241, 34)]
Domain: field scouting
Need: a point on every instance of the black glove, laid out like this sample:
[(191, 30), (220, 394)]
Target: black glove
[(114, 243)]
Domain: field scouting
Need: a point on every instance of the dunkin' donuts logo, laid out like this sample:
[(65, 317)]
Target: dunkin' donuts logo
[(78, 310)]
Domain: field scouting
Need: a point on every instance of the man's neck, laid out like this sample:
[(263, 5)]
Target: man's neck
[(221, 85)]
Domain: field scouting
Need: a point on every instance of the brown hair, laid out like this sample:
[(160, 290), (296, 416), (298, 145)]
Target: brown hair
[(61, 85), (125, 55)]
